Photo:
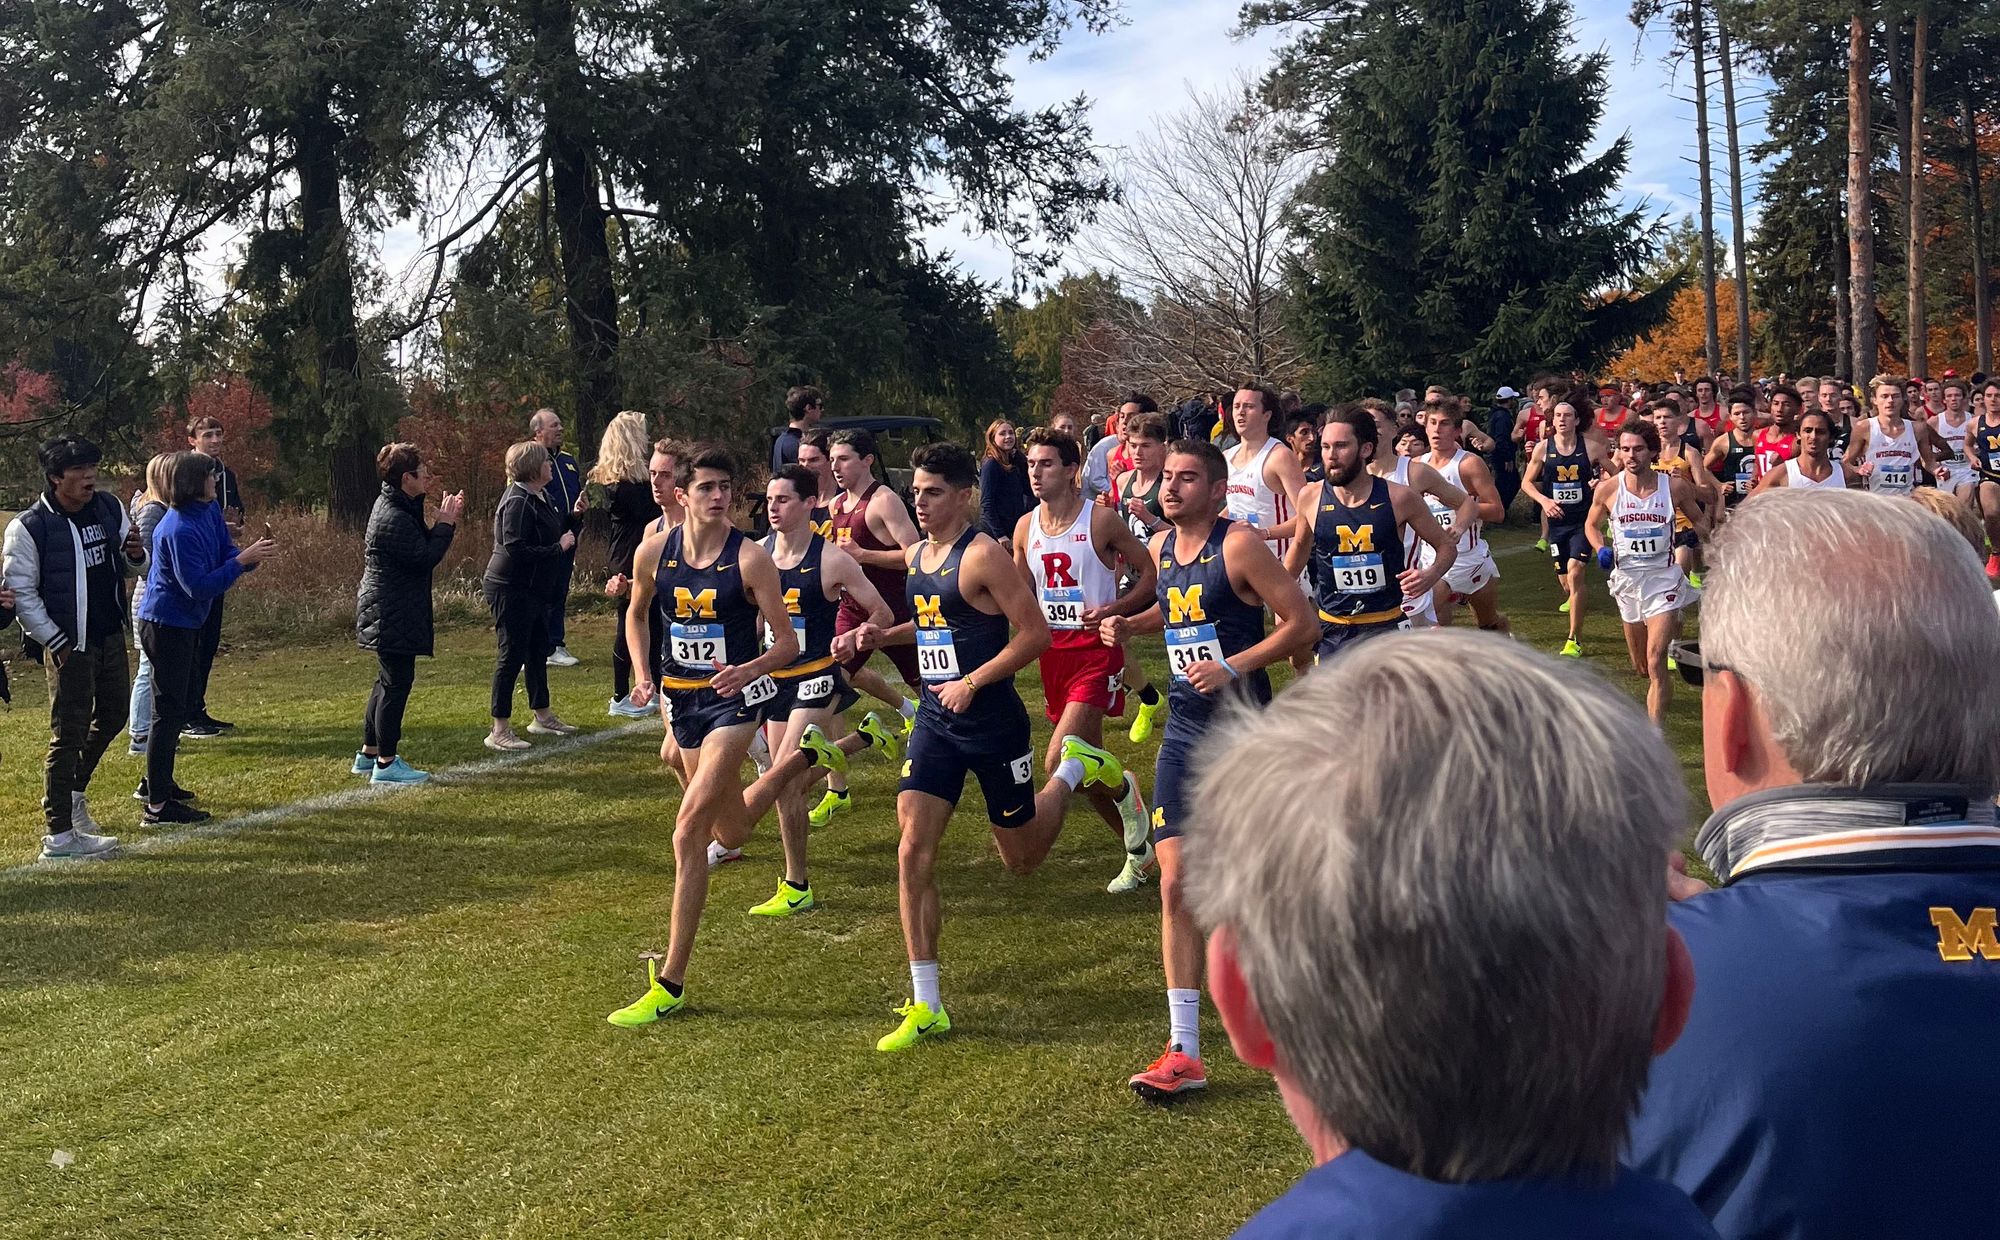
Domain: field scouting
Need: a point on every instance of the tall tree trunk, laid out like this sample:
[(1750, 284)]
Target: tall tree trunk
[(590, 301), (1843, 318), (1919, 323), (1698, 44), (1860, 196), (326, 293), (1982, 292), (1737, 249)]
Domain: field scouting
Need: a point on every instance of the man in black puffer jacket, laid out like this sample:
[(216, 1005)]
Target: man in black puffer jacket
[(392, 613)]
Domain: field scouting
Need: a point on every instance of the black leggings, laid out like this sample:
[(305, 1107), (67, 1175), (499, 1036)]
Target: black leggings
[(621, 662), (382, 725), (176, 656), (522, 623)]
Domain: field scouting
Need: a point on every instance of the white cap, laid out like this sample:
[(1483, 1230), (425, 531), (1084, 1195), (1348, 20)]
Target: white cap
[(1506, 393)]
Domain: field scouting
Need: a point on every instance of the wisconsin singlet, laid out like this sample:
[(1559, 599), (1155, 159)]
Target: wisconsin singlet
[(1835, 480), (1471, 543), (1359, 553), (1954, 437), (1642, 526), (1205, 622), (1895, 459), (1253, 501)]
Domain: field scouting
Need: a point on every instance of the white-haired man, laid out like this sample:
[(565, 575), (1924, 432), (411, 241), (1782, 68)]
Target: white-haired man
[(1525, 892), (565, 493), (1839, 1046)]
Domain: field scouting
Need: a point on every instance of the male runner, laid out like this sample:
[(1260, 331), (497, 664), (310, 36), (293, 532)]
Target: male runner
[(1953, 422), (1264, 479), (813, 447), (1405, 467), (715, 585), (1707, 414), (1473, 578), (1139, 487), (1216, 578), (1639, 504), (964, 593), (1888, 449), (1355, 526), (1983, 444), (1732, 456), (1676, 458), (1778, 442), (1570, 464), (1069, 551), (1814, 466), (869, 523)]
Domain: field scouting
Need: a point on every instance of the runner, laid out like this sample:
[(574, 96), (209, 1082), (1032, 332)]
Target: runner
[(1146, 443), (1679, 459), (1707, 412), (870, 523), (1069, 550), (964, 593), (1888, 449), (1639, 504), (1216, 578), (1572, 465), (1953, 421), (1779, 442), (1473, 577), (1732, 457), (1406, 468), (1983, 445), (1814, 466), (1264, 479), (715, 584), (1355, 527), (813, 446)]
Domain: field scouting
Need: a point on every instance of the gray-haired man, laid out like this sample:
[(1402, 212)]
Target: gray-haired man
[(1458, 983), (1840, 1042)]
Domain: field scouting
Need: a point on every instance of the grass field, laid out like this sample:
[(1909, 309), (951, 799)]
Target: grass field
[(386, 1017)]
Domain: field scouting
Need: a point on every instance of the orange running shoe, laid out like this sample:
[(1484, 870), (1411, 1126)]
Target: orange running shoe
[(1169, 1076)]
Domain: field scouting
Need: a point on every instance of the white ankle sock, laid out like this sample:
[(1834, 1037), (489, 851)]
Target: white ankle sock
[(924, 981), (1070, 771), (1184, 1021)]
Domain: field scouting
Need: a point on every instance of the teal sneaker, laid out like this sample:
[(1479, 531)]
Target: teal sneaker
[(398, 772), (364, 764)]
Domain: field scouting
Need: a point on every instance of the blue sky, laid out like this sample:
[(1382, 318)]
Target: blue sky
[(1144, 67)]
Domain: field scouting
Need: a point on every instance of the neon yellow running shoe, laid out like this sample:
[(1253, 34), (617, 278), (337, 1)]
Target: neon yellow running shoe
[(1673, 664), (1100, 766), (1541, 544), (821, 751), (829, 805), (658, 1001), (920, 1024), (1146, 718), (1564, 609), (909, 721), (881, 737), (789, 900), (1694, 579), (1571, 650)]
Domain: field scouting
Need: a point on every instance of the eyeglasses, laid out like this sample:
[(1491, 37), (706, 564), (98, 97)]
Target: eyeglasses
[(1687, 656)]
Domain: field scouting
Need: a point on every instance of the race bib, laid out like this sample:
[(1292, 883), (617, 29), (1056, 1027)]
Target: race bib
[(937, 656), (1063, 607), (697, 645), (1744, 480), (1568, 493), (1359, 574), (1895, 479), (1444, 516), (1642, 547), (759, 691), (798, 631), (1192, 644), (816, 689)]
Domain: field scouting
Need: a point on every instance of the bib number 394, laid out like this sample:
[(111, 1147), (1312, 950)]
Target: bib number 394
[(1195, 643), (1063, 607), (937, 656), (697, 645)]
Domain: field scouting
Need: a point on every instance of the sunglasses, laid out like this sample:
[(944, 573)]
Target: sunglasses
[(1687, 656)]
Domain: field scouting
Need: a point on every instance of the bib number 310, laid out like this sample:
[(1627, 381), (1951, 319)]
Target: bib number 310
[(937, 656)]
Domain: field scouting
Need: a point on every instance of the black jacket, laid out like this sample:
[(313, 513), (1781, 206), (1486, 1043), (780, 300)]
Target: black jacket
[(632, 514), (527, 555), (392, 611)]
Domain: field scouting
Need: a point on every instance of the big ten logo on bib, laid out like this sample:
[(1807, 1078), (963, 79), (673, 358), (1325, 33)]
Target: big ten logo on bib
[(937, 655), (1062, 595)]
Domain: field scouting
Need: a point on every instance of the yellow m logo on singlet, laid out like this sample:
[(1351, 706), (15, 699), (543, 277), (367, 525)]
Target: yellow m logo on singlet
[(1959, 939), (691, 606), (792, 601), (823, 528), (1184, 606), (930, 611), (1354, 540), (1568, 473)]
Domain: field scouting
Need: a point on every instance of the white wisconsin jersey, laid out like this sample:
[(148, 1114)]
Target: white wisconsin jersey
[(1895, 471), (1470, 542), (1070, 576), (1954, 436), (1642, 527), (1253, 501), (1416, 552), (1795, 477)]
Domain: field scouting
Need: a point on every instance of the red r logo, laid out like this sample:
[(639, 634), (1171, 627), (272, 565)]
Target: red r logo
[(1057, 571)]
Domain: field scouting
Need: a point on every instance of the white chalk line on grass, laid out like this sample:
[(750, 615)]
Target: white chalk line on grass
[(448, 777)]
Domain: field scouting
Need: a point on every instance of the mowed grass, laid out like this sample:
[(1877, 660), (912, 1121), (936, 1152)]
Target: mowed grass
[(387, 1018)]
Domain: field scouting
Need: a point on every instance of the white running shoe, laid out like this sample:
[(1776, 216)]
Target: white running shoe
[(718, 855), (561, 657), (760, 751), (79, 816), (622, 708), (554, 727), (77, 845), (1136, 874)]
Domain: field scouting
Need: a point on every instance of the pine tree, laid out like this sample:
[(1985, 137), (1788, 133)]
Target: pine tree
[(1456, 229)]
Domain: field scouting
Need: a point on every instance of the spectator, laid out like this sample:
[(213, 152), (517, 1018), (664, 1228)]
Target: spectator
[(804, 406), (1066, 423), (194, 564), (148, 506), (1003, 483), (1108, 457), (1849, 967), (66, 559), (205, 435), (1503, 458), (392, 610), (564, 493), (532, 542), (621, 470), (1524, 892)]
